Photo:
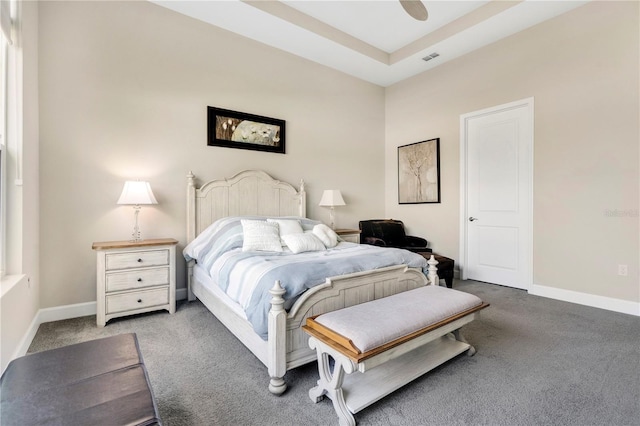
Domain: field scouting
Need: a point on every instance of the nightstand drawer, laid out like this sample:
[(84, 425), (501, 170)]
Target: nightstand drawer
[(142, 259), (139, 278), (349, 235), (137, 300)]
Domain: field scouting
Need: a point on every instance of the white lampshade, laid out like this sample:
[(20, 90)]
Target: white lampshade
[(137, 192), (331, 198)]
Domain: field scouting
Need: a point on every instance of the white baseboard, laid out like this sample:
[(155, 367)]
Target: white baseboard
[(602, 302), (181, 293), (66, 312), (23, 347)]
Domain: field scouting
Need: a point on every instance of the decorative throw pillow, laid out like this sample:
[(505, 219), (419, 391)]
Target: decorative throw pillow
[(299, 243), (327, 235), (287, 226), (259, 235)]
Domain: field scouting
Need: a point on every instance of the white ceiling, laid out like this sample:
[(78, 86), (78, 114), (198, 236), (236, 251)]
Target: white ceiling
[(383, 24), (377, 40)]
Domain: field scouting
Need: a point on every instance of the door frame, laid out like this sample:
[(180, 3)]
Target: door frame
[(464, 228)]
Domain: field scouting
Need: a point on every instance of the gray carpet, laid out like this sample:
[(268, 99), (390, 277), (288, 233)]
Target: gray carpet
[(539, 362)]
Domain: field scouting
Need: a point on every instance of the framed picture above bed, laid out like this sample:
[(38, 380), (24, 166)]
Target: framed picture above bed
[(234, 129), (419, 172)]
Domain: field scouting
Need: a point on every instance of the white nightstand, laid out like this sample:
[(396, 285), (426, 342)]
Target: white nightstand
[(349, 235), (135, 277)]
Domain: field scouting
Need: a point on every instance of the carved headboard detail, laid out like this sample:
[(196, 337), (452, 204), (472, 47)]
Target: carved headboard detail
[(249, 193)]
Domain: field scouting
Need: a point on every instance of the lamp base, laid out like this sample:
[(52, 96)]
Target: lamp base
[(136, 235), (332, 218)]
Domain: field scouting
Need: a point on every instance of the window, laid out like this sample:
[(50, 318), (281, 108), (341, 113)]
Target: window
[(3, 151), (7, 12)]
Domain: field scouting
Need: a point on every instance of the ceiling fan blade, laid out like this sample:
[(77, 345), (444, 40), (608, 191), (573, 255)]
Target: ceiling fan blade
[(415, 9)]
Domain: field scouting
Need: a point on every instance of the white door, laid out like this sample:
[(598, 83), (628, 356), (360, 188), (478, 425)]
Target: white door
[(496, 171)]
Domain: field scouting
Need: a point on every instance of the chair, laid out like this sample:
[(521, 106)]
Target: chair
[(390, 233)]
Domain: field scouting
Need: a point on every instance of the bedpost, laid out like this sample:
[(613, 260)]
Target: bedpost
[(191, 228), (191, 207), (303, 199), (432, 273), (277, 352)]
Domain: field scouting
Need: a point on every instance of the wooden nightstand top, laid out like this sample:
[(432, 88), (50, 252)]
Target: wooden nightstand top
[(106, 245), (347, 231)]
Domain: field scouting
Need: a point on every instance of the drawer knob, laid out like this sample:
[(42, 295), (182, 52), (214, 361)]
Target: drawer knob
[(139, 260), (139, 280), (139, 300)]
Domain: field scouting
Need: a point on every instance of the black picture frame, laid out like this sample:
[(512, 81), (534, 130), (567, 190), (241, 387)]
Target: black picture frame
[(419, 172), (233, 129)]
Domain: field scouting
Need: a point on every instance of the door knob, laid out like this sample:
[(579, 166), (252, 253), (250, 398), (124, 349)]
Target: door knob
[(471, 218)]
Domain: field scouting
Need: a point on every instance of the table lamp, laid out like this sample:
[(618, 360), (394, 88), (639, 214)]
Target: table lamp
[(136, 193), (332, 198)]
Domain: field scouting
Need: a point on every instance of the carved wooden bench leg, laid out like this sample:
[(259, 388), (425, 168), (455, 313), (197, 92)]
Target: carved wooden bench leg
[(459, 337), (330, 383)]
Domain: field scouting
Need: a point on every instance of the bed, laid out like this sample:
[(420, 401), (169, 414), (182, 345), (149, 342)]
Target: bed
[(283, 345)]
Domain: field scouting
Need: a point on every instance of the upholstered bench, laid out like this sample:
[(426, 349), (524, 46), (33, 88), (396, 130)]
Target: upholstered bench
[(387, 342), (445, 266), (100, 382)]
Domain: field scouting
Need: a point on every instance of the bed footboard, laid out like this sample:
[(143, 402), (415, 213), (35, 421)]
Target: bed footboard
[(288, 344)]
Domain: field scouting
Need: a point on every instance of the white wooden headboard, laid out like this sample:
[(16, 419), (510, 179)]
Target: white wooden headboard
[(249, 193)]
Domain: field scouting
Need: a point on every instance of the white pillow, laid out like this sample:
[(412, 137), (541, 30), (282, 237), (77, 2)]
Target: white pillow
[(287, 226), (299, 243), (259, 235), (327, 235)]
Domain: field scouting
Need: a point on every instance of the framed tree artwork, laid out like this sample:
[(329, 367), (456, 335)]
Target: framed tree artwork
[(419, 172)]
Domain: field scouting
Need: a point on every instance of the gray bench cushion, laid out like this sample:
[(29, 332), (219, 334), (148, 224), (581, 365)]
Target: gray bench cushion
[(98, 382), (373, 324)]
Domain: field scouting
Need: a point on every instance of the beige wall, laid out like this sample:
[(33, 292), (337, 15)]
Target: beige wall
[(124, 88), (582, 70)]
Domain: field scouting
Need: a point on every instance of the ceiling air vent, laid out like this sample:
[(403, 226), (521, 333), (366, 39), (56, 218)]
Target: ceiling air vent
[(431, 56)]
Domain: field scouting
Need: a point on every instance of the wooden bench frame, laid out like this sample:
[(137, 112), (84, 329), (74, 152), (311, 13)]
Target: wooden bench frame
[(400, 362)]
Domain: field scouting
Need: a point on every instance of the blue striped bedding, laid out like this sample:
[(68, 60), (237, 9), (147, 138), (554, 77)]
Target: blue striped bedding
[(247, 277)]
